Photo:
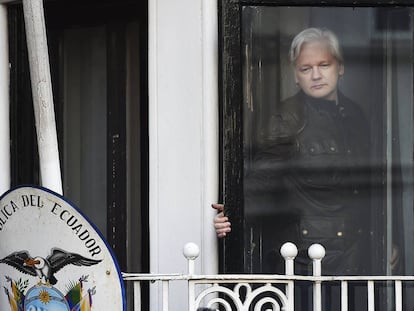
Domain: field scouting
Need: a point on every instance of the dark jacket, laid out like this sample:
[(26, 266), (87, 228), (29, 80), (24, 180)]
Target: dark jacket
[(310, 180)]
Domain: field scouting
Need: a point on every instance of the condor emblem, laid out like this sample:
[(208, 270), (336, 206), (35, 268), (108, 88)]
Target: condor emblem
[(52, 258)]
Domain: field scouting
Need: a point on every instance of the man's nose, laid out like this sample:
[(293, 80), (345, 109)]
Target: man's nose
[(316, 74)]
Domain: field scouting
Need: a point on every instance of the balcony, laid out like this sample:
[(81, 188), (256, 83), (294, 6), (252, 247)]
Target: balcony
[(269, 292)]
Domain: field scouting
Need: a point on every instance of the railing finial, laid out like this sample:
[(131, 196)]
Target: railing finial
[(191, 251), (316, 252), (289, 251)]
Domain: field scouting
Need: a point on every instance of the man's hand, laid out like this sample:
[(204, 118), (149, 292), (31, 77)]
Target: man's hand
[(221, 222), (395, 257)]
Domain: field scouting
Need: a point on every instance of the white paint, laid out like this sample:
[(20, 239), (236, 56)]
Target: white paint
[(42, 95), (182, 134), (209, 142), (4, 102)]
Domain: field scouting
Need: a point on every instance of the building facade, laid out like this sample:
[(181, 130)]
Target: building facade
[(160, 107)]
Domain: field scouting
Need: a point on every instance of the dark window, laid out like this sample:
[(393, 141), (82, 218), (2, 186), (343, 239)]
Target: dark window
[(318, 149), (98, 58)]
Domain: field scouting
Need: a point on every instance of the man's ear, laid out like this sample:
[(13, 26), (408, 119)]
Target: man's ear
[(341, 69)]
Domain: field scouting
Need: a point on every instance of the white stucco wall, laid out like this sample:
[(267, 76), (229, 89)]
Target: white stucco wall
[(183, 135)]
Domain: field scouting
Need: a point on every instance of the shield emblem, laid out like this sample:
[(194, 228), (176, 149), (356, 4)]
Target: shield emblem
[(52, 257)]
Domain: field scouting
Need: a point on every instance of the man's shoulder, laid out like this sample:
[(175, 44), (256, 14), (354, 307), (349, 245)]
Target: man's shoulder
[(292, 106), (295, 101), (287, 120)]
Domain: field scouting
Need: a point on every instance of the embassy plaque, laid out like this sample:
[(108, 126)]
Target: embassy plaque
[(52, 258)]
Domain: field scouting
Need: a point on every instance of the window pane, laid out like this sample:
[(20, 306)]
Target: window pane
[(85, 122), (328, 138)]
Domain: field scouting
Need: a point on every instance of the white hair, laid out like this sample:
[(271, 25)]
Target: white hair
[(311, 35)]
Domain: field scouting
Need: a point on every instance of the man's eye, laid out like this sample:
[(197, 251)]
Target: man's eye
[(305, 69), (324, 65)]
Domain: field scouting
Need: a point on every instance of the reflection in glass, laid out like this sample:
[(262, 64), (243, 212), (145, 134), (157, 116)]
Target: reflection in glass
[(335, 170)]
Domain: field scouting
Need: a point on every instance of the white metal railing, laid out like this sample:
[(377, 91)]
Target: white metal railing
[(270, 292)]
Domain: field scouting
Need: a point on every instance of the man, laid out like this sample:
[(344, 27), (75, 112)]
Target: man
[(309, 183)]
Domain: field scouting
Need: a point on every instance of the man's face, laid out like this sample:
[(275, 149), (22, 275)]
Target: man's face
[(317, 71)]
